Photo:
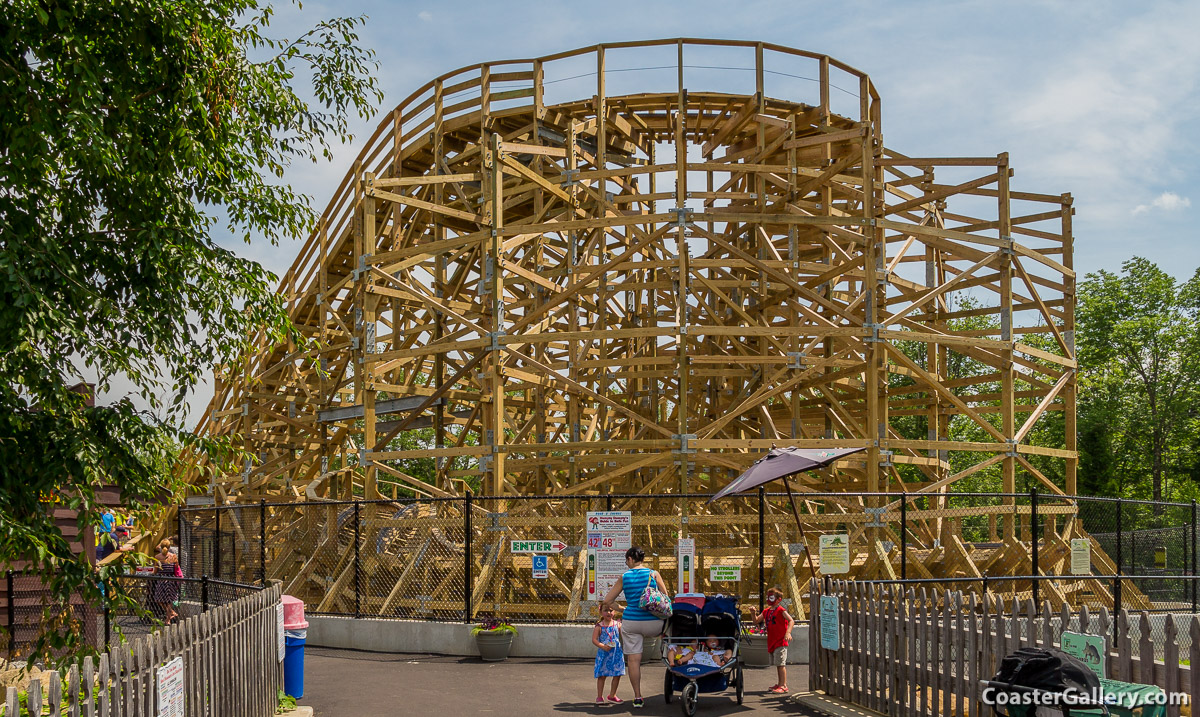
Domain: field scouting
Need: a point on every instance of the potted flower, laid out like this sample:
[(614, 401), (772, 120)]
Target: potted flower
[(494, 637), (754, 647)]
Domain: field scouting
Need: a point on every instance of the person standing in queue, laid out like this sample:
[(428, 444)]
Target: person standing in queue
[(636, 623)]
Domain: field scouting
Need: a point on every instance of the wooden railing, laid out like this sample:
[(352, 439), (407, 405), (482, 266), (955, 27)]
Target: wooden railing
[(906, 651), (228, 655)]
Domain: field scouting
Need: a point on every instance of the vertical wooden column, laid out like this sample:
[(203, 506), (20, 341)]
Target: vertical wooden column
[(326, 386), (367, 304), (682, 273), (1070, 391), (441, 463), (494, 426), (1007, 398), (827, 253), (574, 239), (875, 288), (541, 483)]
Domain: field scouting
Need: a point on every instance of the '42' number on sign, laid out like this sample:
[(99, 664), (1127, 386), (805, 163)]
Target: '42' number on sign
[(601, 541)]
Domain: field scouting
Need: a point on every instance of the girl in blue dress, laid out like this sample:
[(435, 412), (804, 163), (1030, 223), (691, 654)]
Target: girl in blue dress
[(610, 659)]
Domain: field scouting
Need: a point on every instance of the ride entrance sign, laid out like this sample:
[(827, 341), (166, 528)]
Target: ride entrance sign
[(537, 546)]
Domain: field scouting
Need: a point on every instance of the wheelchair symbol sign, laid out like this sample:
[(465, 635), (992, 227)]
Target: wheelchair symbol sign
[(541, 566)]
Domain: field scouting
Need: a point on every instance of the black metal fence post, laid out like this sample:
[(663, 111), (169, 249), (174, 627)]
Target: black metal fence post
[(1120, 560), (1194, 545), (12, 618), (762, 559), (357, 565), (1033, 540), (217, 543), (469, 562), (1116, 608), (204, 593), (262, 542), (608, 502), (903, 539)]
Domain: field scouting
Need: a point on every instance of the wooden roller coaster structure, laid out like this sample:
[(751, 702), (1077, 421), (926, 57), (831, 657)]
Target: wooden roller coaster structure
[(573, 289)]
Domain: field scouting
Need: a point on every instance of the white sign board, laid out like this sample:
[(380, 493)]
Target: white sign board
[(685, 551), (609, 534), (724, 573), (279, 629), (537, 546), (170, 689), (835, 554), (541, 566), (1081, 556)]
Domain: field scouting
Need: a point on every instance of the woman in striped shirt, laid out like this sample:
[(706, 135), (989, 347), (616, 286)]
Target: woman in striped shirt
[(636, 623)]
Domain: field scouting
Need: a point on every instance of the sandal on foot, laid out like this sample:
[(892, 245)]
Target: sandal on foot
[(639, 702), (772, 688), (779, 690), (615, 700)]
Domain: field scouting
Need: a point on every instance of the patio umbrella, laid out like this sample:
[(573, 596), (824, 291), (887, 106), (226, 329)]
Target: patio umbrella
[(780, 463)]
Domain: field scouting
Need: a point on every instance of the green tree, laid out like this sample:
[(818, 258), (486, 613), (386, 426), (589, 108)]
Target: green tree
[(1139, 352), (132, 133)]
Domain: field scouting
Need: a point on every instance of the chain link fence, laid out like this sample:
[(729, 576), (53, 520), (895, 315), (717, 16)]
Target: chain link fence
[(453, 559)]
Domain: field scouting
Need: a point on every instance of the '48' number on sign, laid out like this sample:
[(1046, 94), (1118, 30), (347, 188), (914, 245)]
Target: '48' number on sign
[(600, 540)]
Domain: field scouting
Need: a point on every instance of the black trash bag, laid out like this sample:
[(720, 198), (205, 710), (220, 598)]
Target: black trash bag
[(1047, 669)]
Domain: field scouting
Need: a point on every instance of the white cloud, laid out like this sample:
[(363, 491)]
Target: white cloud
[(425, 15), (1167, 202)]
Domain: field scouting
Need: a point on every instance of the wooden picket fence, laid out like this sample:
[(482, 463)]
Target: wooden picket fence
[(924, 652), (230, 669)]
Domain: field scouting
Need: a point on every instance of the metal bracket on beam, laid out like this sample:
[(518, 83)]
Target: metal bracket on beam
[(874, 337), (494, 337), (362, 458), (796, 359), (1008, 245), (494, 522), (570, 176), (885, 459), (361, 269), (683, 216), (1012, 448), (876, 517), (683, 442), (796, 548)]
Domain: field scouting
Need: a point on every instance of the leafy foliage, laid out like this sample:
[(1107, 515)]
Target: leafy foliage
[(131, 134)]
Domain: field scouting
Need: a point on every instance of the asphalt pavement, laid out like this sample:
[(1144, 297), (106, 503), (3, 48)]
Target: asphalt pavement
[(348, 683)]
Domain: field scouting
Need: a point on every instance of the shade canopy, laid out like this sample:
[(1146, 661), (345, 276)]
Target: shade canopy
[(781, 462)]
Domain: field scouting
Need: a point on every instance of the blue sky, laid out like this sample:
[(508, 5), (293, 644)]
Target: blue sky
[(1094, 98)]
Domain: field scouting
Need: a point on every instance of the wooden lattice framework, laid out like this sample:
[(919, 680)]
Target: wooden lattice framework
[(625, 292)]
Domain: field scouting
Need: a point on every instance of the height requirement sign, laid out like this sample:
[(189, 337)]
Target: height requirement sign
[(609, 535)]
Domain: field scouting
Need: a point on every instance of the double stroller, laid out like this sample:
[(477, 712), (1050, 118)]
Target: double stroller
[(694, 619)]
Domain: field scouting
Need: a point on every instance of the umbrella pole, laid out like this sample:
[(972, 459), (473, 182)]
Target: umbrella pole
[(800, 526)]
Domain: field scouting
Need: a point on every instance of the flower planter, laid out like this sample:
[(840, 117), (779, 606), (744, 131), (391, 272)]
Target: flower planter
[(754, 651), (494, 646)]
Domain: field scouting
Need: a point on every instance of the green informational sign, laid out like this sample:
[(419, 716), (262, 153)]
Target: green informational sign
[(830, 629), (835, 554), (1088, 649)]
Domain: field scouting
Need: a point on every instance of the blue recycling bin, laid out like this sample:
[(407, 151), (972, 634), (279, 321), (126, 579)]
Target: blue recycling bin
[(293, 662)]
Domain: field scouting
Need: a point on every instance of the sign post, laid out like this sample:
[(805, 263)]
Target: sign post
[(830, 629), (170, 689), (835, 554), (724, 573), (609, 535), (685, 552)]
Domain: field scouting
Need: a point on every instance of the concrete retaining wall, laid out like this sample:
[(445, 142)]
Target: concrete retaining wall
[(446, 638)]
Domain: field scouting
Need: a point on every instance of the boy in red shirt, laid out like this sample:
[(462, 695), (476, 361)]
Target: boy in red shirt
[(779, 634)]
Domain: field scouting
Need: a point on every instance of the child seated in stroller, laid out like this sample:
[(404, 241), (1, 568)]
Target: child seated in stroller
[(713, 651), (682, 653)]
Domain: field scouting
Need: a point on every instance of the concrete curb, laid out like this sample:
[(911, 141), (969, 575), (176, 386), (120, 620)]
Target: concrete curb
[(448, 638)]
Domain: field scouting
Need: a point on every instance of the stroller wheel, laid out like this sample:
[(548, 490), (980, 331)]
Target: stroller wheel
[(741, 683), (688, 698), (667, 685)]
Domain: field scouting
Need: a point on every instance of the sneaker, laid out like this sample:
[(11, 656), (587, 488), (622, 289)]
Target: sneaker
[(615, 700), (639, 702)]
